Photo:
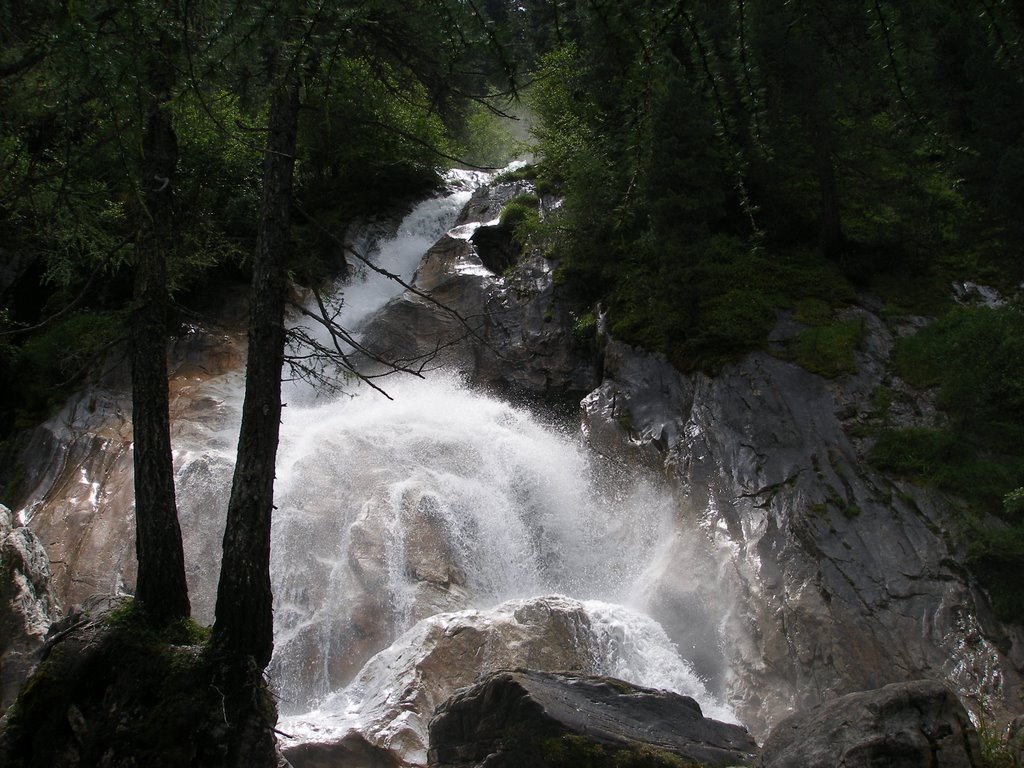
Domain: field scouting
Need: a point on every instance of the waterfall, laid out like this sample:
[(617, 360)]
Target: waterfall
[(436, 507)]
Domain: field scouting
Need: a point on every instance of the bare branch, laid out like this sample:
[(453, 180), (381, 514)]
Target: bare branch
[(463, 321)]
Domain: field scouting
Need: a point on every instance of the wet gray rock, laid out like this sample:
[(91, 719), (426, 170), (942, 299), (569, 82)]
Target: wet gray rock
[(830, 577), (424, 667), (78, 495), (502, 325), (820, 575), (904, 725), (353, 751), (528, 718), (27, 606)]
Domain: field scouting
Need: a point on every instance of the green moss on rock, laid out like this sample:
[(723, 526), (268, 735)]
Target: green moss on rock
[(829, 350), (116, 693)]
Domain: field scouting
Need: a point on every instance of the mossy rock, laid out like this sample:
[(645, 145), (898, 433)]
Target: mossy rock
[(115, 694), (829, 350)]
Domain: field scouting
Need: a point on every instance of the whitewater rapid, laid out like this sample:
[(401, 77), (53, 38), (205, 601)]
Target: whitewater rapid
[(437, 504)]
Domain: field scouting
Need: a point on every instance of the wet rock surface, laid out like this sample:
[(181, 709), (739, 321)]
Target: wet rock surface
[(528, 718), (27, 605), (834, 578), (903, 725), (1015, 737), (505, 327), (406, 682), (818, 576), (352, 751), (80, 487), (825, 577)]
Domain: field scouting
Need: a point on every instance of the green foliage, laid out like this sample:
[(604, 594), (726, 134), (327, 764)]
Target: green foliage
[(374, 133), (130, 617), (526, 172), (55, 359), (997, 749), (520, 219), (812, 311), (974, 358), (485, 138), (652, 223), (1013, 503), (949, 460), (917, 453), (783, 131), (584, 327), (995, 552), (517, 210), (219, 188), (729, 324), (374, 142), (828, 350)]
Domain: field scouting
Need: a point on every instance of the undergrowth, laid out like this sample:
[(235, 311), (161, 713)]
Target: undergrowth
[(973, 358)]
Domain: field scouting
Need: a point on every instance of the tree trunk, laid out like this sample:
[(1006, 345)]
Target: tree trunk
[(243, 628), (161, 588)]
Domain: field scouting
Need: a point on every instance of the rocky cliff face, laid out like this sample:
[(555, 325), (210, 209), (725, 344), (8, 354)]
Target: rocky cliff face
[(837, 578), (827, 577), (78, 496)]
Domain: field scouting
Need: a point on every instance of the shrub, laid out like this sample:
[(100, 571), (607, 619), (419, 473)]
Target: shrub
[(996, 555), (974, 358), (517, 210), (55, 359), (915, 453), (828, 350)]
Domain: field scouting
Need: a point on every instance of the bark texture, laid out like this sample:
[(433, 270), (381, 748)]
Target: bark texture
[(244, 615), (160, 588)]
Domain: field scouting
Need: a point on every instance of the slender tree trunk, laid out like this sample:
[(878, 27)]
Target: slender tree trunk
[(244, 615), (161, 588)]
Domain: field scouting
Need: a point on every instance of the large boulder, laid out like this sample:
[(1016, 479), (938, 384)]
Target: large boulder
[(536, 719), (27, 606), (388, 705), (386, 709), (919, 724)]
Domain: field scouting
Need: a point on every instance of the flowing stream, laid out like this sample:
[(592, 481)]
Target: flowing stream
[(399, 519)]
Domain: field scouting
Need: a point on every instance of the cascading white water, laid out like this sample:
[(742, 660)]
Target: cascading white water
[(368, 290), (438, 501)]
